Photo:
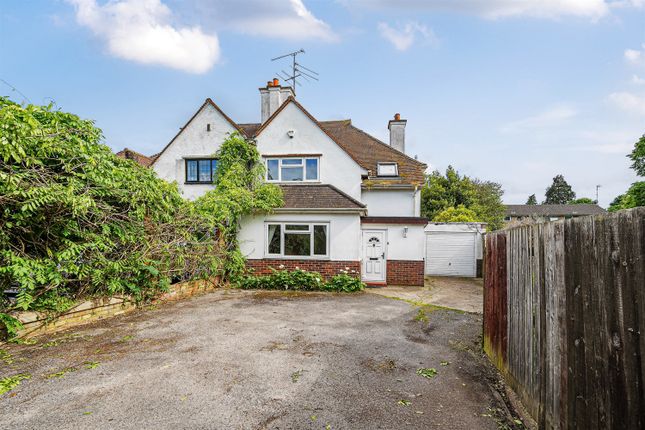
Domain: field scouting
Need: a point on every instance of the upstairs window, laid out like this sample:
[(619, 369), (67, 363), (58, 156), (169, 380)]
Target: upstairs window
[(292, 169), (387, 169), (200, 171)]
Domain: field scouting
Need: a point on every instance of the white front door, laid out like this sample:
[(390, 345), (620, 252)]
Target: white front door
[(374, 255)]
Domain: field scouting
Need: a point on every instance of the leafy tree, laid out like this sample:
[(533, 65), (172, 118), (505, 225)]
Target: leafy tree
[(532, 200), (452, 190), (583, 201), (559, 193), (458, 214), (635, 195), (638, 157), (76, 220)]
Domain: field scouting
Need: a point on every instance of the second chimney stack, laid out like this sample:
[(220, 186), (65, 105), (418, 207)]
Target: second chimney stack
[(397, 132)]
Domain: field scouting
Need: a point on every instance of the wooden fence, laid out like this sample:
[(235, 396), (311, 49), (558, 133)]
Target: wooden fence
[(564, 318)]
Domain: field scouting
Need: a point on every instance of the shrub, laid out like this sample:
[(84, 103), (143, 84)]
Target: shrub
[(300, 280)]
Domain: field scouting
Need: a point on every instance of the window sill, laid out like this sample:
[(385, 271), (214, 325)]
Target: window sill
[(293, 182), (294, 257), (198, 183)]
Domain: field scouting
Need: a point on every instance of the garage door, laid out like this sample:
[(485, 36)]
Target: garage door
[(450, 254)]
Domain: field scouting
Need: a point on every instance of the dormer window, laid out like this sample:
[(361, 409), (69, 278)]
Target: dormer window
[(387, 169), (292, 169)]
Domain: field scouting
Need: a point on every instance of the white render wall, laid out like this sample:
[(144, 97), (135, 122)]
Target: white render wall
[(391, 203), (336, 166), (411, 247), (193, 142), (344, 234)]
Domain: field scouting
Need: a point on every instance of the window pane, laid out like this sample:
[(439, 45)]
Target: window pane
[(312, 169), (320, 240), (204, 170), (292, 161), (292, 173), (272, 170), (296, 227), (274, 239), (387, 169), (191, 170), (297, 244)]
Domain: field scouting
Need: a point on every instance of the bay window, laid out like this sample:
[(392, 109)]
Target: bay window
[(292, 169), (297, 239)]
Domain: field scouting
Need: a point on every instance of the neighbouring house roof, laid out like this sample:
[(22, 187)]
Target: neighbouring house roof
[(553, 210), (366, 150), (317, 196), (129, 154), (394, 220)]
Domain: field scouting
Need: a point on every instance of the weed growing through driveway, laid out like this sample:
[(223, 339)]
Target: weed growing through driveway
[(295, 376), (11, 382), (404, 402), (427, 372), (91, 364)]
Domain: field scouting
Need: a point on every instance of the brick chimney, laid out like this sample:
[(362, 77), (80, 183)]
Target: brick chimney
[(397, 132), (272, 96)]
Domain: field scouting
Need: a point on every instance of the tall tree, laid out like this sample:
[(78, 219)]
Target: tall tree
[(452, 190), (583, 201), (635, 195), (532, 200), (559, 193), (638, 157)]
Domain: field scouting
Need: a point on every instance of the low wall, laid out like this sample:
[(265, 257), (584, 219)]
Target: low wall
[(37, 323), (327, 268), (405, 272)]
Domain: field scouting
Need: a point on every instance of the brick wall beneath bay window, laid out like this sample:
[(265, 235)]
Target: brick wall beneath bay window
[(326, 268), (405, 272)]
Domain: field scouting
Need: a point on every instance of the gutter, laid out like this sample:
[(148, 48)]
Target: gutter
[(359, 211)]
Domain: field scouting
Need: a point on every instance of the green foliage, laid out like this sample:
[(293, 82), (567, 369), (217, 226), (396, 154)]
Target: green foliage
[(458, 214), (75, 220), (239, 191), (451, 190), (300, 280), (9, 325), (532, 200), (583, 201), (559, 193), (638, 156), (634, 197), (427, 372), (11, 382)]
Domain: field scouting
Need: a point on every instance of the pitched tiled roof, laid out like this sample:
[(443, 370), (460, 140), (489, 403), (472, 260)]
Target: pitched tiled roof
[(317, 196), (553, 210), (129, 154), (367, 151)]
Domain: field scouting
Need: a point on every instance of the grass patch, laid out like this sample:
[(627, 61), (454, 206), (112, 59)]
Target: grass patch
[(427, 308), (9, 383), (91, 364), (421, 316), (5, 357), (427, 372)]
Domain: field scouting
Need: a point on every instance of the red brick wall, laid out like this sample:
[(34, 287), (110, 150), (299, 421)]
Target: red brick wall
[(405, 272), (325, 267)]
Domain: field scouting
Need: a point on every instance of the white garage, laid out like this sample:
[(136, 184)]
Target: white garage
[(453, 249)]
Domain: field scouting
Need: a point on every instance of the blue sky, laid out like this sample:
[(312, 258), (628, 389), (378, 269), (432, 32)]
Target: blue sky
[(504, 90)]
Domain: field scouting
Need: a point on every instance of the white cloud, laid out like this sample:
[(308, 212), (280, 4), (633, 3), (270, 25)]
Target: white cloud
[(141, 31), (404, 36), (494, 9), (638, 80), (636, 56), (281, 19), (549, 118), (631, 103)]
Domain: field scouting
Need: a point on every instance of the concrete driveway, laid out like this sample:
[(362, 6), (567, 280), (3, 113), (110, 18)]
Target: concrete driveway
[(465, 294), (259, 360)]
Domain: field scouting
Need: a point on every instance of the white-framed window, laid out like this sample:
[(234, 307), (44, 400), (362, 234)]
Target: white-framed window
[(387, 169), (297, 239), (293, 169)]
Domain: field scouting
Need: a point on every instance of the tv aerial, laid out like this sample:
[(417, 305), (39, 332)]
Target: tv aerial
[(297, 70)]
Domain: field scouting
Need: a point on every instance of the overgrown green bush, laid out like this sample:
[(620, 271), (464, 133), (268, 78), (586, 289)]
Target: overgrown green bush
[(75, 220), (300, 280)]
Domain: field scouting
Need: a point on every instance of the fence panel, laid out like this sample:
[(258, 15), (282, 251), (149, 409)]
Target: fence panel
[(564, 318)]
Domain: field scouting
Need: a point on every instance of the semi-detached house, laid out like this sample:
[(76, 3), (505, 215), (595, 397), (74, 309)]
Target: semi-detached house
[(351, 202)]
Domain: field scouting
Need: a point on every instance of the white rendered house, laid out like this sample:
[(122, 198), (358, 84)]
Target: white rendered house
[(351, 202)]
